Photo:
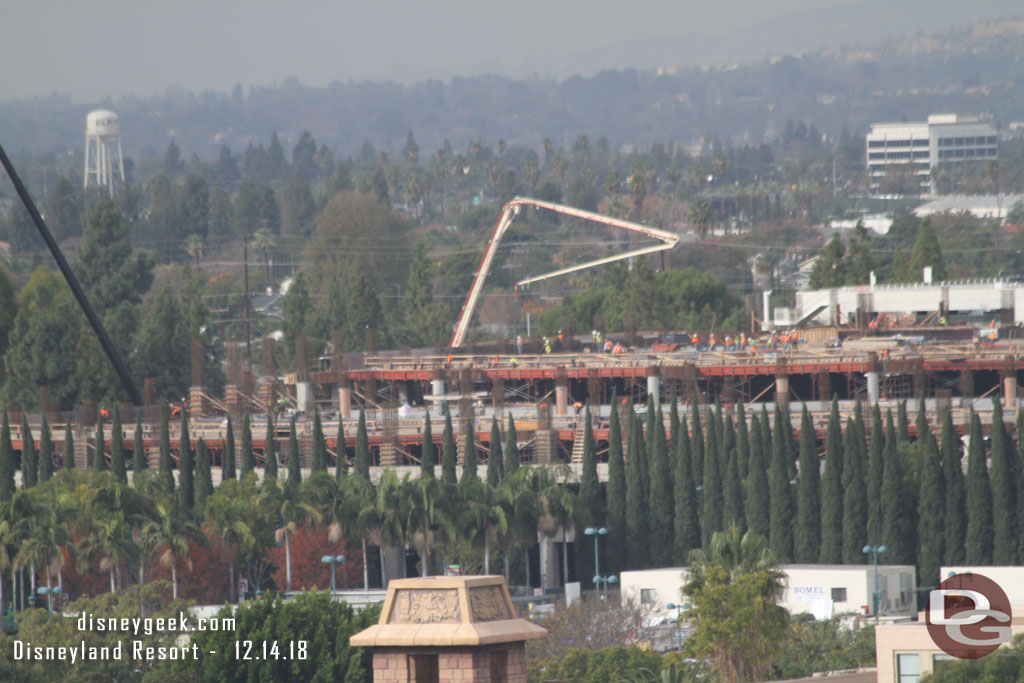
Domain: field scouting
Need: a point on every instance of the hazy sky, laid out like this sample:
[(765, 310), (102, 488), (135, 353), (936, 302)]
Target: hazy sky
[(112, 47)]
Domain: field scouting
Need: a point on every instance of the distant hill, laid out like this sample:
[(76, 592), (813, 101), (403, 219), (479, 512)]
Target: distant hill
[(976, 70)]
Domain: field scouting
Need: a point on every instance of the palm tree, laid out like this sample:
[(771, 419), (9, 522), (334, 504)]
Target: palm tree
[(227, 521), (332, 502), (171, 530), (483, 513), (292, 510), (738, 555), (112, 515), (523, 519), (386, 518), (559, 505), (194, 246), (700, 215), (362, 500), (427, 513)]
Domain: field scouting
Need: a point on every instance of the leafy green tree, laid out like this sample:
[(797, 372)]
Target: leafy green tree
[(830, 268), (319, 455), (615, 492), (733, 588), (756, 486), (687, 523), (162, 347), (140, 461), (617, 663), (341, 458), (204, 478), (828, 645), (469, 457), (425, 320), (780, 495), (494, 456), (68, 456), (930, 514), (247, 459), (953, 477), (511, 449), (186, 467), (449, 452), (270, 450), (227, 457), (427, 456), (979, 497), (64, 209), (298, 207), (807, 538), (45, 451), (926, 252), (99, 456), (6, 461), (29, 459), (168, 530), (1004, 491), (832, 492), (362, 455), (194, 205)]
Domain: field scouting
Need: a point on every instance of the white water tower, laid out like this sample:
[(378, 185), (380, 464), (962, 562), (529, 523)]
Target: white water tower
[(104, 165)]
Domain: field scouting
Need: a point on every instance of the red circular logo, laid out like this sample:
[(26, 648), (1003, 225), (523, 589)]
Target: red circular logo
[(968, 616)]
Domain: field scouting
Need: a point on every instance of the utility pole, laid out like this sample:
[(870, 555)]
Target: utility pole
[(245, 267)]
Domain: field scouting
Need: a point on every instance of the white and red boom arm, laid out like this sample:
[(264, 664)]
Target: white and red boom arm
[(508, 212)]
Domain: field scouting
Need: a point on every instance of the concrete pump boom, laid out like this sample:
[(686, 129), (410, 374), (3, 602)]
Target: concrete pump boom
[(508, 213)]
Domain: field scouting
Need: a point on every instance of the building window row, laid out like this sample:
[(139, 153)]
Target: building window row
[(972, 153), (959, 142)]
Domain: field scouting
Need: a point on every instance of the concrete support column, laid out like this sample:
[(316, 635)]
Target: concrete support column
[(874, 386), (403, 393), (437, 387), (654, 385), (548, 561), (345, 400), (561, 394), (782, 390), (1010, 393), (304, 397)]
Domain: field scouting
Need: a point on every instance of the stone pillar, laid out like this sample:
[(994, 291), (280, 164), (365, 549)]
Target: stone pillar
[(654, 384), (345, 400)]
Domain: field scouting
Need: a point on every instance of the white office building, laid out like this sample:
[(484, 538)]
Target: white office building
[(944, 139)]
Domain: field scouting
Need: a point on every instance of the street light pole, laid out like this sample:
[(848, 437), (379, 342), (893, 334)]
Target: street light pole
[(333, 560), (600, 582), (679, 613), (875, 552)]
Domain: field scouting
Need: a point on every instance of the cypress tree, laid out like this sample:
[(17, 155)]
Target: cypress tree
[(166, 467), (117, 464), (589, 502), (807, 539), (979, 500), (318, 459), (780, 530), (204, 478), (953, 477), (362, 455), (713, 497), (697, 444), (1004, 491), (45, 451), (427, 459), (449, 452), (733, 490), (139, 448), (711, 447), (270, 450), (855, 507), (186, 468), (247, 458), (341, 453), (831, 551), (6, 461), (469, 458), (99, 459), (662, 511), (930, 514), (511, 448), (897, 529), (673, 434), (874, 485), (902, 428), (227, 458), (494, 457), (294, 466), (637, 546), (642, 455), (616, 491), (29, 460), (742, 442), (758, 506), (687, 525), (67, 460)]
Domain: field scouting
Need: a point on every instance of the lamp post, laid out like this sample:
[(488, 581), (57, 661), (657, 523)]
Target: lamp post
[(875, 551), (332, 560), (599, 581), (49, 593), (679, 613)]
